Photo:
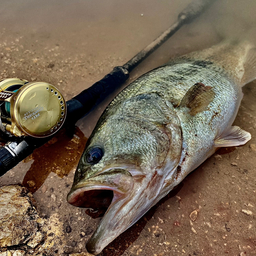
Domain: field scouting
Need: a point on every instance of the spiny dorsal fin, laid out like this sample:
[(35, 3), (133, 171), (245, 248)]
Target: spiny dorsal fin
[(232, 137), (197, 98)]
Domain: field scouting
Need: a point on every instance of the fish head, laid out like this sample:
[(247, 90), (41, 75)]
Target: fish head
[(123, 169)]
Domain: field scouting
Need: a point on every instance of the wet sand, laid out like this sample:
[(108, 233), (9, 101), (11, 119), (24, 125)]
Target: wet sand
[(72, 44)]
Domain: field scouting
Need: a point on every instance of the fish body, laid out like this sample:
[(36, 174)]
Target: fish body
[(156, 131)]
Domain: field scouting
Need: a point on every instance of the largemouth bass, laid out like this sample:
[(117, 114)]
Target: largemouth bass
[(158, 130)]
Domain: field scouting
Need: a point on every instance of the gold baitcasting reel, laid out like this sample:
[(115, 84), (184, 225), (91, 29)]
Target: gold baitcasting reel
[(35, 109)]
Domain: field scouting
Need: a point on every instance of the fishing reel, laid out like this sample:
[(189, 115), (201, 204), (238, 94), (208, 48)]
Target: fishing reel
[(35, 109)]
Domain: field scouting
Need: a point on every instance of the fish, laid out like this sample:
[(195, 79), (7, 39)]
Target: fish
[(157, 130)]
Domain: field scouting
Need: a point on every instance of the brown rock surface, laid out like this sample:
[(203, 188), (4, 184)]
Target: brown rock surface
[(18, 216), (21, 226)]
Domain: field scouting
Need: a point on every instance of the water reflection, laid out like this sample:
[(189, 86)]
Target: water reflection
[(60, 155)]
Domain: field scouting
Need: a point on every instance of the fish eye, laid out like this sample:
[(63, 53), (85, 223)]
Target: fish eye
[(94, 155)]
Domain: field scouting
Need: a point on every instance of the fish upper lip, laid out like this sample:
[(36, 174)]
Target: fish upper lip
[(132, 169), (120, 181)]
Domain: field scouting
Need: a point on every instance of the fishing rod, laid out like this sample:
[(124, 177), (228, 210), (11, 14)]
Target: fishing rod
[(31, 113)]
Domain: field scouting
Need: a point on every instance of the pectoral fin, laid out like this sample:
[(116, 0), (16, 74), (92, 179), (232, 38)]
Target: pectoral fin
[(197, 98), (232, 137)]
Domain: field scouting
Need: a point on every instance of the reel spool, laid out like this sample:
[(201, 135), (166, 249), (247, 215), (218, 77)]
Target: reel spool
[(35, 109)]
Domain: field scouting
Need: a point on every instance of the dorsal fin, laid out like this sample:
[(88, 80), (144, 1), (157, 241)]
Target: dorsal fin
[(197, 98)]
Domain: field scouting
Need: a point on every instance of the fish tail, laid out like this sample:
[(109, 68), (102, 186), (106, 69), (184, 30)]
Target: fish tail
[(249, 66), (238, 58), (238, 51)]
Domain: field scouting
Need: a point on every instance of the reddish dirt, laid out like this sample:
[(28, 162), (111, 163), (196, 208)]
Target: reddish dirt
[(72, 44)]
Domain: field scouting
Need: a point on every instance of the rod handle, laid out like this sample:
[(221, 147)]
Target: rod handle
[(88, 99)]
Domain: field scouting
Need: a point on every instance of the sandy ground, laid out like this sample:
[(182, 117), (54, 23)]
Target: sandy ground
[(72, 44)]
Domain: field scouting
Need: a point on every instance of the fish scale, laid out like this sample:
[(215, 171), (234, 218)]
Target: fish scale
[(158, 130)]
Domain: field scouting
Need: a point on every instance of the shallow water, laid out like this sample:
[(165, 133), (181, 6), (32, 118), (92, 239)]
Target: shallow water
[(72, 44)]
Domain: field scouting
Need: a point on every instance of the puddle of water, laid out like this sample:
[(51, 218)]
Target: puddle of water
[(60, 155)]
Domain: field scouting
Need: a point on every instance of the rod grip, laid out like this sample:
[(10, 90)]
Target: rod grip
[(7, 160), (88, 99), (14, 152)]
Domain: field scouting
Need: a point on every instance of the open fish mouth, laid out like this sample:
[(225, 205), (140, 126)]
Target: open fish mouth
[(101, 190), (110, 190), (96, 199)]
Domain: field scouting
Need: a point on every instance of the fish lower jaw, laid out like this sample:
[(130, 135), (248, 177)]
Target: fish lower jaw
[(97, 197)]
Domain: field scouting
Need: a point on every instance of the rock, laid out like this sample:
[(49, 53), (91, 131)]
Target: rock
[(193, 230), (80, 254), (193, 215), (13, 253), (18, 216), (218, 157), (31, 183), (253, 147), (22, 228), (247, 212), (68, 229), (55, 240)]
